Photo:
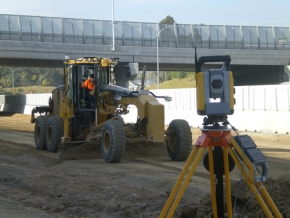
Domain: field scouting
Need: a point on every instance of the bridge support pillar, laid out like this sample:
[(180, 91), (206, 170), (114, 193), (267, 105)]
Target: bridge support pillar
[(287, 70)]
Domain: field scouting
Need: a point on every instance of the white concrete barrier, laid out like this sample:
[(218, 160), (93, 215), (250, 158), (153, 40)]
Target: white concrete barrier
[(257, 108), (23, 103)]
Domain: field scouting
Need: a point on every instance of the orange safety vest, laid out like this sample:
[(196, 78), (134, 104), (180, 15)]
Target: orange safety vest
[(88, 85)]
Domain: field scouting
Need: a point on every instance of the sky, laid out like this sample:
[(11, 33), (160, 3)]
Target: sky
[(213, 12)]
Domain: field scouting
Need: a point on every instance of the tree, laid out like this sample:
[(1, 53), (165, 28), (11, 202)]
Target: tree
[(168, 20), (178, 75), (30, 76), (45, 83), (33, 78), (8, 82), (25, 79)]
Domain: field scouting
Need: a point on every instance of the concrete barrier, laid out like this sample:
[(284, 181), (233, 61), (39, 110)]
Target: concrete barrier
[(257, 108), (22, 103)]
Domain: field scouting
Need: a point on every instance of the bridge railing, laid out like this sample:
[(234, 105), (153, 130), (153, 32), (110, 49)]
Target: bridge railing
[(99, 32)]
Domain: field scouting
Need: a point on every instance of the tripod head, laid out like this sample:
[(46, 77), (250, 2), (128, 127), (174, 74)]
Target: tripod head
[(215, 120)]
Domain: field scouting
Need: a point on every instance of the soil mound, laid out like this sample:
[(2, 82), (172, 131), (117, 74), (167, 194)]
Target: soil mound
[(244, 202)]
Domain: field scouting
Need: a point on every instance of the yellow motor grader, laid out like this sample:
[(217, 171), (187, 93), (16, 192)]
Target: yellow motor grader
[(71, 120)]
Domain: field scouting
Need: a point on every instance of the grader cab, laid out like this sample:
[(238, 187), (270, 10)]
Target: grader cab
[(70, 121)]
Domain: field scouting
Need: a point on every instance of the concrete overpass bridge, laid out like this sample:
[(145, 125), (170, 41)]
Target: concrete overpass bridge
[(260, 55)]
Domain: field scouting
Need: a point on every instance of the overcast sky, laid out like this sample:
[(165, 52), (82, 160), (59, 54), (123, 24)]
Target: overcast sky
[(213, 12)]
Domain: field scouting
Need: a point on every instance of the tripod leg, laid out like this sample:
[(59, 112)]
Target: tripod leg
[(251, 185), (185, 183), (269, 199), (212, 182), (179, 181), (219, 177), (227, 182)]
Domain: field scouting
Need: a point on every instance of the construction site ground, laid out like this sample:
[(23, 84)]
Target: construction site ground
[(36, 183)]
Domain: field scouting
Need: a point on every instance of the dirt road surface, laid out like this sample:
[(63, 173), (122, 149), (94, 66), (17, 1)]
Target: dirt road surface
[(36, 183)]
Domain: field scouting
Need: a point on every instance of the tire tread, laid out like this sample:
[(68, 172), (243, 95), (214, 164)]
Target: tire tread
[(57, 124), (42, 121), (184, 140), (119, 141)]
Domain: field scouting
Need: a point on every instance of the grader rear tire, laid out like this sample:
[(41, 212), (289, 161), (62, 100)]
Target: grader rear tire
[(54, 132), (113, 141), (40, 132), (180, 145)]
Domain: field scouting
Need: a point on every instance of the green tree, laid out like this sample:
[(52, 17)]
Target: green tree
[(33, 78), (164, 76), (178, 75), (45, 82), (168, 35), (25, 79), (8, 82), (168, 20), (30, 76)]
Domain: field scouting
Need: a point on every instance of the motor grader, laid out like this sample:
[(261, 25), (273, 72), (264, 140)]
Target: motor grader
[(69, 120)]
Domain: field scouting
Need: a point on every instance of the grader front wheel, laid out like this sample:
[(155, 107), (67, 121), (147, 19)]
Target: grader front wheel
[(113, 141), (179, 144)]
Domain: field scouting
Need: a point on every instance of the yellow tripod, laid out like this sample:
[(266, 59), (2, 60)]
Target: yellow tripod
[(219, 139)]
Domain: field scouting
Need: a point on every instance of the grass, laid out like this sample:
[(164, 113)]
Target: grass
[(188, 82)]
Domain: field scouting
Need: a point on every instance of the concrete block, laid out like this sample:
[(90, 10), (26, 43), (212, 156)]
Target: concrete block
[(283, 98)]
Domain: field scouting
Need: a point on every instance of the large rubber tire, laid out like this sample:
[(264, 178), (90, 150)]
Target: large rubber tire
[(40, 132), (113, 141), (119, 117), (180, 145), (54, 132)]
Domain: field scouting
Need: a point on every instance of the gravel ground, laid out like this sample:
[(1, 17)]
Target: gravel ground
[(36, 183)]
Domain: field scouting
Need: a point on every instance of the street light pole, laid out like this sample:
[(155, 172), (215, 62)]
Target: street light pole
[(158, 52), (13, 79), (113, 26)]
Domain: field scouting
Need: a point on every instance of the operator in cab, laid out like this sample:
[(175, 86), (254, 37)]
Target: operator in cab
[(89, 86)]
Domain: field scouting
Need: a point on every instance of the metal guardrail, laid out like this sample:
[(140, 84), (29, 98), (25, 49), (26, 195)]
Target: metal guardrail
[(99, 32)]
